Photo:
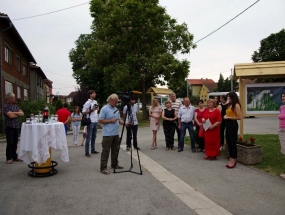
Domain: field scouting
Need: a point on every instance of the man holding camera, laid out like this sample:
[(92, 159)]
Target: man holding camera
[(131, 123), (91, 107)]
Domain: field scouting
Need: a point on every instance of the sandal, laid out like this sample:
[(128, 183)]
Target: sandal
[(105, 172), (9, 161), (166, 149), (18, 160)]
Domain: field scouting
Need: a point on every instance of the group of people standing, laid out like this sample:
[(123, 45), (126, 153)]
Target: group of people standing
[(221, 118)]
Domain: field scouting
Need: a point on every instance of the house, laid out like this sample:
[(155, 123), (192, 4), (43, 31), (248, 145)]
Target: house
[(201, 87), (70, 97), (18, 71)]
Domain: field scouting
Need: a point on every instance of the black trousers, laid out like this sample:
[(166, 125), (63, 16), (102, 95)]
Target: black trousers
[(222, 132), (200, 139), (132, 131), (12, 141), (169, 131), (231, 137)]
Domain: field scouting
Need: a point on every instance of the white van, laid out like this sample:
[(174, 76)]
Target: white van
[(213, 94)]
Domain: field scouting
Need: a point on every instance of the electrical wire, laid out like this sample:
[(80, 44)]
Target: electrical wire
[(227, 22), (43, 14)]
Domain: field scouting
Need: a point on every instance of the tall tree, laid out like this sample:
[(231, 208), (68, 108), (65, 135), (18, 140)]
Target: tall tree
[(271, 48), (89, 76), (135, 43)]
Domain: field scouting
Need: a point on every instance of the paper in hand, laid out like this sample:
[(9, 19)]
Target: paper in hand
[(207, 124)]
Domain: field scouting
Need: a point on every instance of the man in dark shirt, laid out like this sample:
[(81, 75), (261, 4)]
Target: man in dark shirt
[(11, 112)]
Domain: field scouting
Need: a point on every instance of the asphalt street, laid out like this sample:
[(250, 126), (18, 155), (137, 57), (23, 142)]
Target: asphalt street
[(172, 183)]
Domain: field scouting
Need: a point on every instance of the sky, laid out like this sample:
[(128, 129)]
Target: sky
[(51, 37)]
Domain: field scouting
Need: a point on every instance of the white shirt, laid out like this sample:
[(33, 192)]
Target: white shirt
[(186, 114), (134, 113), (176, 105), (93, 115)]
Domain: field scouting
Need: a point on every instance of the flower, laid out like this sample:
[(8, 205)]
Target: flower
[(246, 142), (252, 139)]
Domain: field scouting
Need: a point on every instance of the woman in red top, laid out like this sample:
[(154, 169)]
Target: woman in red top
[(198, 122), (212, 134)]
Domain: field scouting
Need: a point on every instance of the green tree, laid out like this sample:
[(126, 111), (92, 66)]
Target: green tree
[(271, 48), (224, 85), (88, 75), (133, 46), (220, 84)]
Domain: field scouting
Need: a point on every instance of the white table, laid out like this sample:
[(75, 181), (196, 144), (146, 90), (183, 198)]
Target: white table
[(38, 137)]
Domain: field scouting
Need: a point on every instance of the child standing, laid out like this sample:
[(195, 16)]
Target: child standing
[(84, 134)]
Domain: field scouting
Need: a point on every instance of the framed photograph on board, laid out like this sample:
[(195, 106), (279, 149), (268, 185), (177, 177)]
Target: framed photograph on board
[(263, 98)]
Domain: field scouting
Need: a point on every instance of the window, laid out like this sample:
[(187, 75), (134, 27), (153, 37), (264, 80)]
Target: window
[(18, 92), (8, 55), (25, 95), (24, 70), (8, 87), (18, 63)]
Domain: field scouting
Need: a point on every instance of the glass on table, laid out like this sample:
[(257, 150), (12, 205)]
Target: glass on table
[(32, 117), (56, 118), (36, 119), (40, 118), (28, 120), (52, 118)]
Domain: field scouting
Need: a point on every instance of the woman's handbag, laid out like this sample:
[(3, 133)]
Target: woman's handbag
[(201, 132)]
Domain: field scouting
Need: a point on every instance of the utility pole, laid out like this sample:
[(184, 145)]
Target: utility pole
[(232, 84), (187, 87)]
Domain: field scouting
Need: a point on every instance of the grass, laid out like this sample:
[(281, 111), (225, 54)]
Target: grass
[(142, 122), (273, 161)]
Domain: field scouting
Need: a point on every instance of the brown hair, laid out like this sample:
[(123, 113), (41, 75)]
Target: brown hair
[(213, 101), (74, 111)]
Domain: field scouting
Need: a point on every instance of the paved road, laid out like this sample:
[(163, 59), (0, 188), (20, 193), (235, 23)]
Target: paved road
[(172, 183)]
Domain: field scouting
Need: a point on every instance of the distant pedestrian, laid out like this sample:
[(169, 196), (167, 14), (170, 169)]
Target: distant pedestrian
[(169, 122), (64, 116), (233, 113), (154, 114), (76, 117), (91, 108), (281, 131), (185, 121), (175, 104), (11, 112), (84, 135)]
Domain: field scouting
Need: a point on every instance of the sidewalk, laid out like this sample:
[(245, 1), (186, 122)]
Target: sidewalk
[(80, 188)]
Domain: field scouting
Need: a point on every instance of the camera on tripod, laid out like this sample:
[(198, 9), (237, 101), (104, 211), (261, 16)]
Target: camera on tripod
[(128, 96)]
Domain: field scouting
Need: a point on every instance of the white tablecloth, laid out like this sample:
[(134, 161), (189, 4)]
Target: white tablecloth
[(37, 138)]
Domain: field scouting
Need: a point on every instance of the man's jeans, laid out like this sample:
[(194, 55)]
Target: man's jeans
[(92, 131), (183, 128)]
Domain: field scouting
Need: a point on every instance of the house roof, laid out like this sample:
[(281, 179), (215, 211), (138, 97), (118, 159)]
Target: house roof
[(209, 83), (72, 94), (157, 91), (5, 19)]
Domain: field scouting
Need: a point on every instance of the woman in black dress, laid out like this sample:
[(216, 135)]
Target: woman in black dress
[(169, 118)]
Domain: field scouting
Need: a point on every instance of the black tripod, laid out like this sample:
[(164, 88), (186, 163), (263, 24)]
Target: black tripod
[(130, 115)]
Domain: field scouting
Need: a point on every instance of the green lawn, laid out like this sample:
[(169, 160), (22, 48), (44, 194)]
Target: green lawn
[(273, 161)]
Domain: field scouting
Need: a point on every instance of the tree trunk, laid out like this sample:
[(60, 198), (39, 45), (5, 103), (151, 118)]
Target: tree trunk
[(145, 115)]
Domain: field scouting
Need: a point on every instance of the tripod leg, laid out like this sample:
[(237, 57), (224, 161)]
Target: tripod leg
[(139, 161)]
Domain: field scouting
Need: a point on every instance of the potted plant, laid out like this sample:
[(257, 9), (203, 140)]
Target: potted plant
[(248, 152)]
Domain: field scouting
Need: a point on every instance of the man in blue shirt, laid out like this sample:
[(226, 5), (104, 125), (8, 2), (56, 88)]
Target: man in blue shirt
[(110, 118), (132, 129)]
